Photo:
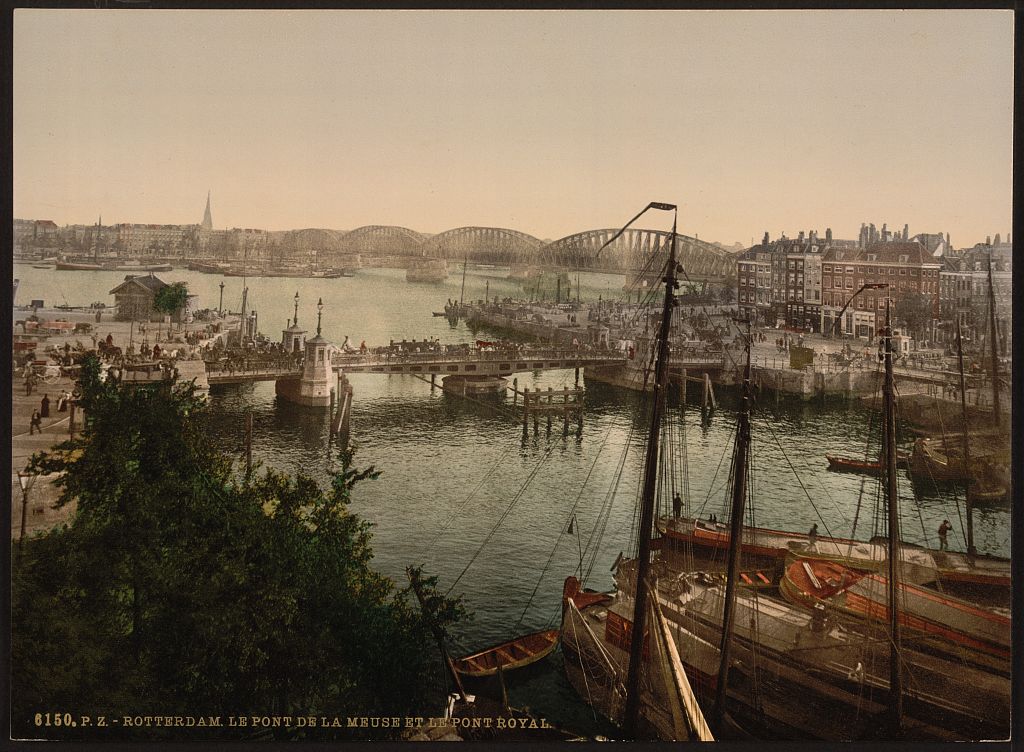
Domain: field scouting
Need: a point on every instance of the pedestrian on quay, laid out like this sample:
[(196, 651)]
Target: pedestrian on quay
[(812, 535), (36, 423), (110, 339), (677, 505), (944, 529), (44, 406)]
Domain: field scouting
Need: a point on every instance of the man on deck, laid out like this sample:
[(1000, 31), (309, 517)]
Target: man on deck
[(944, 529)]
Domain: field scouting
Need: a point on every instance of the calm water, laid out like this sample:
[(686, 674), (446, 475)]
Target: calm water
[(452, 468)]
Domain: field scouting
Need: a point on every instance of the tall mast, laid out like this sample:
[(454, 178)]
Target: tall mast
[(892, 502), (632, 711), (992, 336), (739, 497), (967, 455), (463, 291)]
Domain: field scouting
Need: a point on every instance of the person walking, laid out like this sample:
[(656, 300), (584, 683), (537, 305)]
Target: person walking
[(36, 423), (44, 407), (944, 529), (677, 505), (812, 535)]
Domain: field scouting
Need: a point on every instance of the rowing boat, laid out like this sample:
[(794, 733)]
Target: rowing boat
[(517, 653), (849, 464)]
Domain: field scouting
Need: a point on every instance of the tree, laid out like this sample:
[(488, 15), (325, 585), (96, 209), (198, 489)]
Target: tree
[(915, 309), (170, 299), (180, 587), (728, 292)]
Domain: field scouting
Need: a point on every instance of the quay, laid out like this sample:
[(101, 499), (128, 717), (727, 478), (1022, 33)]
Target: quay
[(709, 343)]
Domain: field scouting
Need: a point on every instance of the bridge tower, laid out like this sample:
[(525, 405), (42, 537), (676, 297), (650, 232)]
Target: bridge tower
[(313, 388)]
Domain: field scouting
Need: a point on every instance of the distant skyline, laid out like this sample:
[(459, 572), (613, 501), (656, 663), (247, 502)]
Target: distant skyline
[(548, 122)]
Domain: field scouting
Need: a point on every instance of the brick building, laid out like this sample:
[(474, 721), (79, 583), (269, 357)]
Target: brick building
[(906, 266)]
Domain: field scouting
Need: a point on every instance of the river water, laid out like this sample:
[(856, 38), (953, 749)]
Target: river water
[(463, 494)]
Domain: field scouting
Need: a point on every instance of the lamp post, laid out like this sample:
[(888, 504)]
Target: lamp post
[(319, 311), (220, 306), (25, 480), (839, 316)]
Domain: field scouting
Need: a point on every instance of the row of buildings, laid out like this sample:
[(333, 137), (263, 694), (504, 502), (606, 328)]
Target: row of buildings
[(807, 283), (152, 241)]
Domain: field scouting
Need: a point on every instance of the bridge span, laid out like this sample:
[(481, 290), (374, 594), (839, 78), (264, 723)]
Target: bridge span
[(480, 363)]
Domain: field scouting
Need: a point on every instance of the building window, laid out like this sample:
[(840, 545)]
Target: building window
[(849, 284)]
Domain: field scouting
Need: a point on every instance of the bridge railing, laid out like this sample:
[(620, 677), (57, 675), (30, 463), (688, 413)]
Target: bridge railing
[(475, 356)]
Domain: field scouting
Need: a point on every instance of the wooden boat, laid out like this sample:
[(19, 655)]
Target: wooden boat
[(869, 467), (72, 266), (987, 492), (517, 653), (957, 622), (142, 267), (951, 566), (439, 314)]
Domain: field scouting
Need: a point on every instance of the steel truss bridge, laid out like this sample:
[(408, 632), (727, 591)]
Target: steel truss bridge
[(635, 252)]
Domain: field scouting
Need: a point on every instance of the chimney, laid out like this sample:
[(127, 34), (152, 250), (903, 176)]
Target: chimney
[(997, 239), (988, 240), (906, 232), (764, 240), (828, 234), (800, 237)]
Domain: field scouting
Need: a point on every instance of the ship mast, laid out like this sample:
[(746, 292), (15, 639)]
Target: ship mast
[(892, 503), (992, 336), (632, 710), (967, 455), (739, 496), (462, 292)]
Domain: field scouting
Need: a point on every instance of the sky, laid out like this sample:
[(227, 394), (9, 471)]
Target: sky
[(547, 122)]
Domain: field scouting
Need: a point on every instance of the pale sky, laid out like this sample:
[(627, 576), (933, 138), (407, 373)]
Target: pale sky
[(548, 122)]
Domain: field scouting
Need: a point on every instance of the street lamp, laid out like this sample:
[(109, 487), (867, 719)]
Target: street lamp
[(220, 306), (867, 286), (26, 481), (319, 311)]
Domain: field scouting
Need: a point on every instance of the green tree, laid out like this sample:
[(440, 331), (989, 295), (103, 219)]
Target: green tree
[(180, 588), (915, 310), (170, 299)]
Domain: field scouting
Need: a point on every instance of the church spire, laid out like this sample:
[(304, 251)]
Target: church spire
[(207, 217)]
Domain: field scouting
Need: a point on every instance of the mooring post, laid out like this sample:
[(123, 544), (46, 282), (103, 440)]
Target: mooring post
[(577, 377), (515, 391), (433, 376)]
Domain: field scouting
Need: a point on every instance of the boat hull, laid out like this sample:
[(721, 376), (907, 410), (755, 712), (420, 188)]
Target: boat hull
[(508, 656), (958, 623)]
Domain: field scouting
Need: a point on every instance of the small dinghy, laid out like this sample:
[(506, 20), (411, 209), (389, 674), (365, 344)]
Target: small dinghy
[(510, 655)]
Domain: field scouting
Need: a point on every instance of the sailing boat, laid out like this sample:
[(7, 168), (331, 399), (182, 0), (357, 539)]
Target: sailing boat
[(638, 709), (763, 667)]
